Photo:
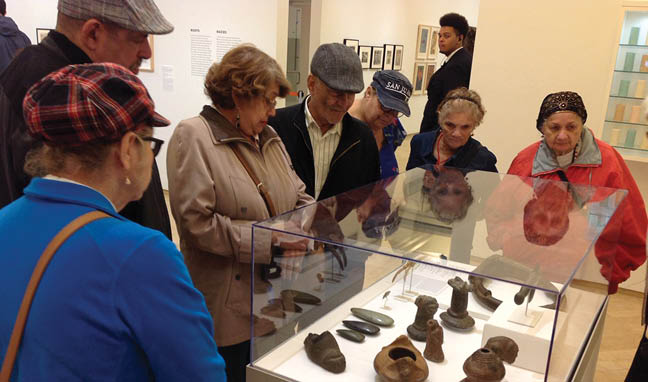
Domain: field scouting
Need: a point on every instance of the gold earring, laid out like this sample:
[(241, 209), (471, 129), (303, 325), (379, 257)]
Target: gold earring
[(127, 181)]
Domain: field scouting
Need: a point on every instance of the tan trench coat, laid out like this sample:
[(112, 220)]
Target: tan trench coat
[(214, 202)]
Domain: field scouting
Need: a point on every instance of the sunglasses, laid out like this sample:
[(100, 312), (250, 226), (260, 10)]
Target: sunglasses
[(154, 143)]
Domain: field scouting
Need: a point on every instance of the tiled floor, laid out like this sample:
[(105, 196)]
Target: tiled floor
[(623, 328)]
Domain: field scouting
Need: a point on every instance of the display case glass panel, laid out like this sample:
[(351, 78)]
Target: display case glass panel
[(626, 125), (515, 243)]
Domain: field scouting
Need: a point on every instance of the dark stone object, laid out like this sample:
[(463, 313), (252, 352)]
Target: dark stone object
[(274, 310), (427, 307), (362, 327), (484, 366), (505, 347), (372, 317), (351, 335), (482, 294), (287, 306), (401, 362), (456, 316), (433, 351), (300, 297), (323, 350)]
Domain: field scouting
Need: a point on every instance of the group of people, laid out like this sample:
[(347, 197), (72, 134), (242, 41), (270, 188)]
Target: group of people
[(118, 299)]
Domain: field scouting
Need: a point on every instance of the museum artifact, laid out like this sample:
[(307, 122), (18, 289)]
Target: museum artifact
[(362, 327), (286, 304), (385, 298), (351, 335), (407, 268), (401, 362), (482, 294), (321, 280), (433, 351), (274, 309), (505, 347), (323, 350), (484, 366), (372, 317), (299, 297), (427, 307), (456, 316)]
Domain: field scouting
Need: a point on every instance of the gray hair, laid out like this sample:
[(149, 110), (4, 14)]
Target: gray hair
[(462, 100)]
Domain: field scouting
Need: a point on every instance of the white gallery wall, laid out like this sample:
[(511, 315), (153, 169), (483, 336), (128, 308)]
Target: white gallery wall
[(254, 21)]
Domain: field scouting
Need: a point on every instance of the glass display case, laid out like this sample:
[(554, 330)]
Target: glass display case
[(484, 255), (626, 126)]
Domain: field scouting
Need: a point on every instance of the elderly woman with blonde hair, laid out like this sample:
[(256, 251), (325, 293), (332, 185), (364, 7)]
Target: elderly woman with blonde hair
[(228, 169), (452, 145)]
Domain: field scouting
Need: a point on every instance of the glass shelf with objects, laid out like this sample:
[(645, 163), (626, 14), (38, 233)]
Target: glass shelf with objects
[(626, 125), (390, 269)]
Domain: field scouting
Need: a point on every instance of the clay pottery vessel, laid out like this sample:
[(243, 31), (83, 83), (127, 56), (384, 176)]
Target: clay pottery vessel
[(433, 351), (456, 316), (401, 362), (323, 350), (484, 366), (505, 347), (427, 307)]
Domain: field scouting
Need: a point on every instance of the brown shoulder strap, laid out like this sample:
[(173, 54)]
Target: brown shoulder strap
[(23, 312), (261, 188)]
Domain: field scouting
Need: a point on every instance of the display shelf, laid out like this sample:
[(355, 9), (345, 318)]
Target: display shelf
[(381, 246), (627, 123), (615, 96)]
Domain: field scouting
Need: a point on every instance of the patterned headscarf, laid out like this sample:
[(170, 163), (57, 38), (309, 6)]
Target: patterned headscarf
[(561, 101)]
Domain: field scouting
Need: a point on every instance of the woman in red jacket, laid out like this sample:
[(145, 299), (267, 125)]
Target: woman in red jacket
[(569, 152)]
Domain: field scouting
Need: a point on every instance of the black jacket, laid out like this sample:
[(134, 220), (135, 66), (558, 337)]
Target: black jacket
[(454, 74), (33, 63), (355, 162), (11, 41)]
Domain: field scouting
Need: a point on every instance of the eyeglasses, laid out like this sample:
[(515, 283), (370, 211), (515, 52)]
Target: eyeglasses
[(270, 103), (155, 143), (392, 112)]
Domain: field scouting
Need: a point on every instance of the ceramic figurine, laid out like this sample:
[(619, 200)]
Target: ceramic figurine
[(427, 307), (484, 366), (482, 294), (401, 362), (433, 351), (323, 350), (506, 348), (456, 316)]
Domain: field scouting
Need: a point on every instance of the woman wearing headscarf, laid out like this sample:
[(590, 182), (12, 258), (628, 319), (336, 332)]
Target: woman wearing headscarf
[(452, 145), (212, 161), (116, 301), (569, 152)]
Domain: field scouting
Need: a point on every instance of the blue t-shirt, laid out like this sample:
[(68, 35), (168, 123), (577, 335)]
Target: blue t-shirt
[(394, 135)]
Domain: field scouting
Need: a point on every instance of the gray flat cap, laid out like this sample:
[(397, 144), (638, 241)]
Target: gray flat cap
[(136, 15), (339, 67)]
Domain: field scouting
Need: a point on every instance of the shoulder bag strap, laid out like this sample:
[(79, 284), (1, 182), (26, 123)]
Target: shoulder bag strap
[(23, 312), (261, 188)]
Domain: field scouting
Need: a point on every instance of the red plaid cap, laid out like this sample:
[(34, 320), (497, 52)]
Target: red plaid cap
[(88, 103)]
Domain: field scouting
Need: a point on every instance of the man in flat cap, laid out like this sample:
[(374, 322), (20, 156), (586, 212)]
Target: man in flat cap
[(86, 31), (331, 151)]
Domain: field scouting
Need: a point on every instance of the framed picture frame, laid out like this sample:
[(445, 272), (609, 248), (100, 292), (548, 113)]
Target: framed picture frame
[(365, 54), (433, 50), (419, 72), (431, 68), (41, 33), (389, 56), (398, 57), (377, 58), (422, 42), (147, 65), (352, 43)]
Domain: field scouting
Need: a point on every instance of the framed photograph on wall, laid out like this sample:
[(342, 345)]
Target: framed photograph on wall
[(41, 33), (354, 44), (422, 43), (398, 56), (365, 53), (377, 59), (389, 56), (431, 68), (147, 65), (418, 77), (433, 43)]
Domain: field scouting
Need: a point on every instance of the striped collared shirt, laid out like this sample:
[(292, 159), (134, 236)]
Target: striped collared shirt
[(324, 147)]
